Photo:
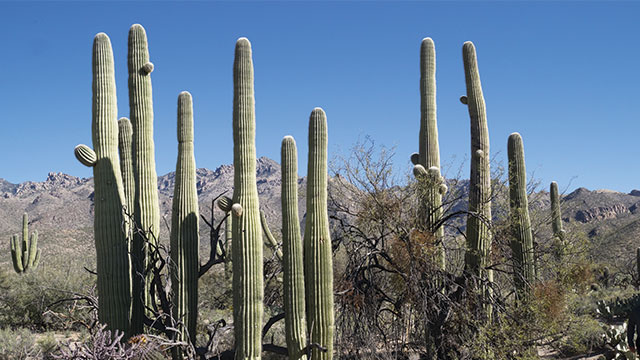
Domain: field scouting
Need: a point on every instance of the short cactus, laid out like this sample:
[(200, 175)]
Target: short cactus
[(318, 272), (522, 242), (25, 254), (184, 226), (247, 232)]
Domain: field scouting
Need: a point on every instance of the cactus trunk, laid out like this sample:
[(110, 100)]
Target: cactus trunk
[(246, 228), (293, 265), (429, 152), (184, 227), (317, 242), (556, 220), (146, 208), (522, 242), (113, 264)]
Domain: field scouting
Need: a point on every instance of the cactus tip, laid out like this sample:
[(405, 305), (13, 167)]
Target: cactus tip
[(415, 158), (463, 99), (419, 170), (236, 209), (147, 68)]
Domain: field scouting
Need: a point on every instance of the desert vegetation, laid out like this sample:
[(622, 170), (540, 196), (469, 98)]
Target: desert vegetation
[(379, 265)]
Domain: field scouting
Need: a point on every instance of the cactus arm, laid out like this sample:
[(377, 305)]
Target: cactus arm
[(85, 155), (317, 241), (556, 219), (247, 232), (25, 242), (292, 264), (146, 208), (33, 250), (125, 149), (184, 225), (522, 241), (271, 241), (16, 254)]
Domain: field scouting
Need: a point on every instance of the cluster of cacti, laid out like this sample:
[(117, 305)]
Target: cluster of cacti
[(427, 160), (617, 308), (522, 241), (25, 254)]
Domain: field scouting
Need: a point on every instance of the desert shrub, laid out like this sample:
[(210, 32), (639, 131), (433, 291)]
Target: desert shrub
[(17, 344)]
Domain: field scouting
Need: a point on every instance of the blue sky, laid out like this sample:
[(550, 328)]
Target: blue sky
[(563, 74)]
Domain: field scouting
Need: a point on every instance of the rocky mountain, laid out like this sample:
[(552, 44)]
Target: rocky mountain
[(61, 209)]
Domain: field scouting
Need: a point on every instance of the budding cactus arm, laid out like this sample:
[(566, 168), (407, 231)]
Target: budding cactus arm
[(317, 242), (85, 155), (271, 240), (292, 264), (247, 232), (522, 243), (146, 205), (184, 225)]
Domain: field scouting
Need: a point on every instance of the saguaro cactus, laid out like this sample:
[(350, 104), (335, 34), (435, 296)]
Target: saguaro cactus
[(429, 152), (522, 242), (113, 265), (125, 143), (25, 255), (317, 241), (479, 219), (247, 231), (556, 219), (184, 225), (293, 266), (146, 208)]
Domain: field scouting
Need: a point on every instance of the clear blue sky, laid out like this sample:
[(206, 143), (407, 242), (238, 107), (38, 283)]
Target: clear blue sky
[(563, 74)]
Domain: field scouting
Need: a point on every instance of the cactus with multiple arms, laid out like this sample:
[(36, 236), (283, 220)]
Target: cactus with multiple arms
[(25, 254), (428, 156), (318, 272), (113, 265), (522, 242), (184, 226), (293, 267), (247, 232)]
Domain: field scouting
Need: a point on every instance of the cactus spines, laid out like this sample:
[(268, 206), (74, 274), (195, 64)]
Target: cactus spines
[(247, 232), (292, 264), (522, 241), (85, 155), (478, 221), (429, 153), (184, 225), (25, 256), (317, 241), (146, 208), (556, 218), (113, 264)]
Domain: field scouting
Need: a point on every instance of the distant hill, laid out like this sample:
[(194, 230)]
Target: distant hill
[(61, 208)]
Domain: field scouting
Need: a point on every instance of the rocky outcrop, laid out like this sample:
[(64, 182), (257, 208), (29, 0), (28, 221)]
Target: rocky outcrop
[(601, 213)]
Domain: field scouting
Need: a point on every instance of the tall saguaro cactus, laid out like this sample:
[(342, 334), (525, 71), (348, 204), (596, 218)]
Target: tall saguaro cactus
[(146, 208), (125, 143), (479, 219), (247, 231), (317, 241), (293, 265), (184, 225), (429, 152), (113, 265), (25, 254), (556, 219), (522, 242)]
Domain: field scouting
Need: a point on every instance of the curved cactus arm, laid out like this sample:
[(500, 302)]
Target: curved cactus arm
[(85, 155), (225, 203), (16, 254), (36, 260), (271, 241)]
